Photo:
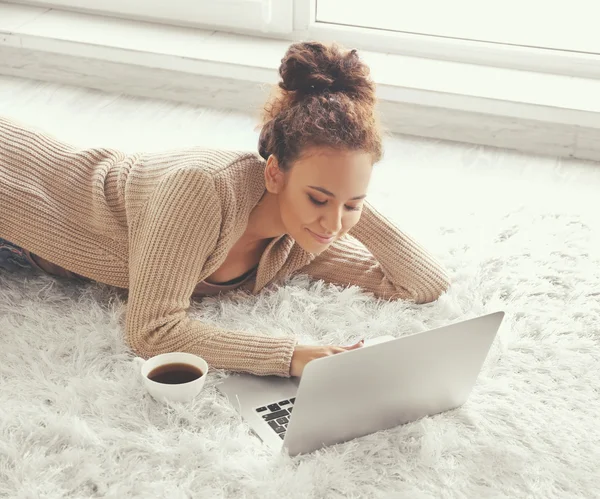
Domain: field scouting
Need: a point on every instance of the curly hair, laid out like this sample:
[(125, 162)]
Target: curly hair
[(325, 98)]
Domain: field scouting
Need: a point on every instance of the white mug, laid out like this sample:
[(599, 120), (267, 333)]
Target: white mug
[(182, 392)]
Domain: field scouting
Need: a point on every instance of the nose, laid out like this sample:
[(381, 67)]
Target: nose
[(332, 222)]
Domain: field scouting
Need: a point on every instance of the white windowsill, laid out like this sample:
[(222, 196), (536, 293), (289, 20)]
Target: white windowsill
[(524, 110)]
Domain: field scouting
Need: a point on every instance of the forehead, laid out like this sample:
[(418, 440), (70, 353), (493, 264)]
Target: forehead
[(334, 170)]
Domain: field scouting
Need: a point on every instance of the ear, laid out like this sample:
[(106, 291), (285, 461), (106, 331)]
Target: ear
[(274, 176)]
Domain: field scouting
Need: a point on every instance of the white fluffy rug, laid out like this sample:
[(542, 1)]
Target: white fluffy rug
[(517, 232)]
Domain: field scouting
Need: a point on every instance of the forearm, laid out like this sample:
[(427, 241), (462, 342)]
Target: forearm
[(405, 263), (222, 349)]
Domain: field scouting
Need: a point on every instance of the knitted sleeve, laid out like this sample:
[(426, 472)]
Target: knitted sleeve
[(170, 242), (380, 258)]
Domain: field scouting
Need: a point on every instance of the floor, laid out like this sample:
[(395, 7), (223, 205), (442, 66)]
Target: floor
[(517, 232)]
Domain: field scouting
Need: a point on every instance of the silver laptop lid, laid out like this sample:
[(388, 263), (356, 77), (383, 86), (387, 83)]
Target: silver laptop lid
[(381, 386)]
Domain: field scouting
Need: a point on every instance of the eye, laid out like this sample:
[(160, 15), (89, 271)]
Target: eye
[(316, 201), (321, 203)]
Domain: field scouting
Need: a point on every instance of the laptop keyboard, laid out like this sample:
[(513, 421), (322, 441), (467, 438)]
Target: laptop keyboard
[(277, 415)]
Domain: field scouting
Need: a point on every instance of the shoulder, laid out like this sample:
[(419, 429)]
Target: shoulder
[(241, 183), (228, 171), (232, 174), (240, 167), (153, 167), (185, 177), (216, 162), (219, 168)]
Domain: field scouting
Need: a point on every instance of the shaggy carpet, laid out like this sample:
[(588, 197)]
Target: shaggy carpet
[(517, 233)]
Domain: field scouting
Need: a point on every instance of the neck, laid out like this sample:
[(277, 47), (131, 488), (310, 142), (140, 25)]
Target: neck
[(265, 221)]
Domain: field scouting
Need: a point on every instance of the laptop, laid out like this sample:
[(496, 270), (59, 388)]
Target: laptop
[(388, 382)]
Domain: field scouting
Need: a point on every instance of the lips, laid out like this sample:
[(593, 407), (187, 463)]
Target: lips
[(320, 238)]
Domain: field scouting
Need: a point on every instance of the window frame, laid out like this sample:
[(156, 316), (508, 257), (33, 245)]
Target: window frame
[(563, 62), (295, 20), (267, 17)]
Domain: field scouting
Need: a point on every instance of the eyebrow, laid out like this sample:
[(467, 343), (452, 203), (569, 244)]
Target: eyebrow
[(331, 194)]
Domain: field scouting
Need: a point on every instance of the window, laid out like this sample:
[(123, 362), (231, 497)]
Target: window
[(532, 23), (535, 35)]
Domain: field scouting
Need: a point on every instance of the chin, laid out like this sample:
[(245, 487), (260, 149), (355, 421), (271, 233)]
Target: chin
[(309, 244)]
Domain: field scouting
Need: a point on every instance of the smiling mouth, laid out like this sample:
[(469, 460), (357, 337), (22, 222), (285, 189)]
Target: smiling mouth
[(320, 238)]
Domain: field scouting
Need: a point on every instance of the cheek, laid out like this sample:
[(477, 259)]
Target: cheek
[(295, 212), (350, 220)]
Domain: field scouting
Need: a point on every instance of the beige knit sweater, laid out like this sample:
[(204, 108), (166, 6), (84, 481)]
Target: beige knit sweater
[(158, 224)]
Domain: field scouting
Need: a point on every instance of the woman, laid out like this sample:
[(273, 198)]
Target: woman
[(193, 222)]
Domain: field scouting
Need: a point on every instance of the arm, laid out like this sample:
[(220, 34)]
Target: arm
[(380, 258), (170, 241)]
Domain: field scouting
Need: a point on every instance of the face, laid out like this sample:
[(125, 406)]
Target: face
[(321, 197)]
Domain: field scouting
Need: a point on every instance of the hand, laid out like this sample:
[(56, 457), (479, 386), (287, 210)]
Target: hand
[(303, 354)]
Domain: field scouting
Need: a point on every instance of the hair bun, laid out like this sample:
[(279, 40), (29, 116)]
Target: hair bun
[(313, 67)]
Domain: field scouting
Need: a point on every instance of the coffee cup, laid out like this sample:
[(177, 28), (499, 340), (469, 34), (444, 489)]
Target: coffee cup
[(176, 376)]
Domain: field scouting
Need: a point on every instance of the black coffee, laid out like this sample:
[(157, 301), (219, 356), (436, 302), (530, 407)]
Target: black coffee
[(175, 374)]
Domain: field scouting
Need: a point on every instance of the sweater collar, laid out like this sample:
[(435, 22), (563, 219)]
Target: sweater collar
[(282, 256)]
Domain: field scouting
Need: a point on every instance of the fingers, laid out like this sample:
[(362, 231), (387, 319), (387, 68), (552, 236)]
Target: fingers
[(336, 350), (355, 346)]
